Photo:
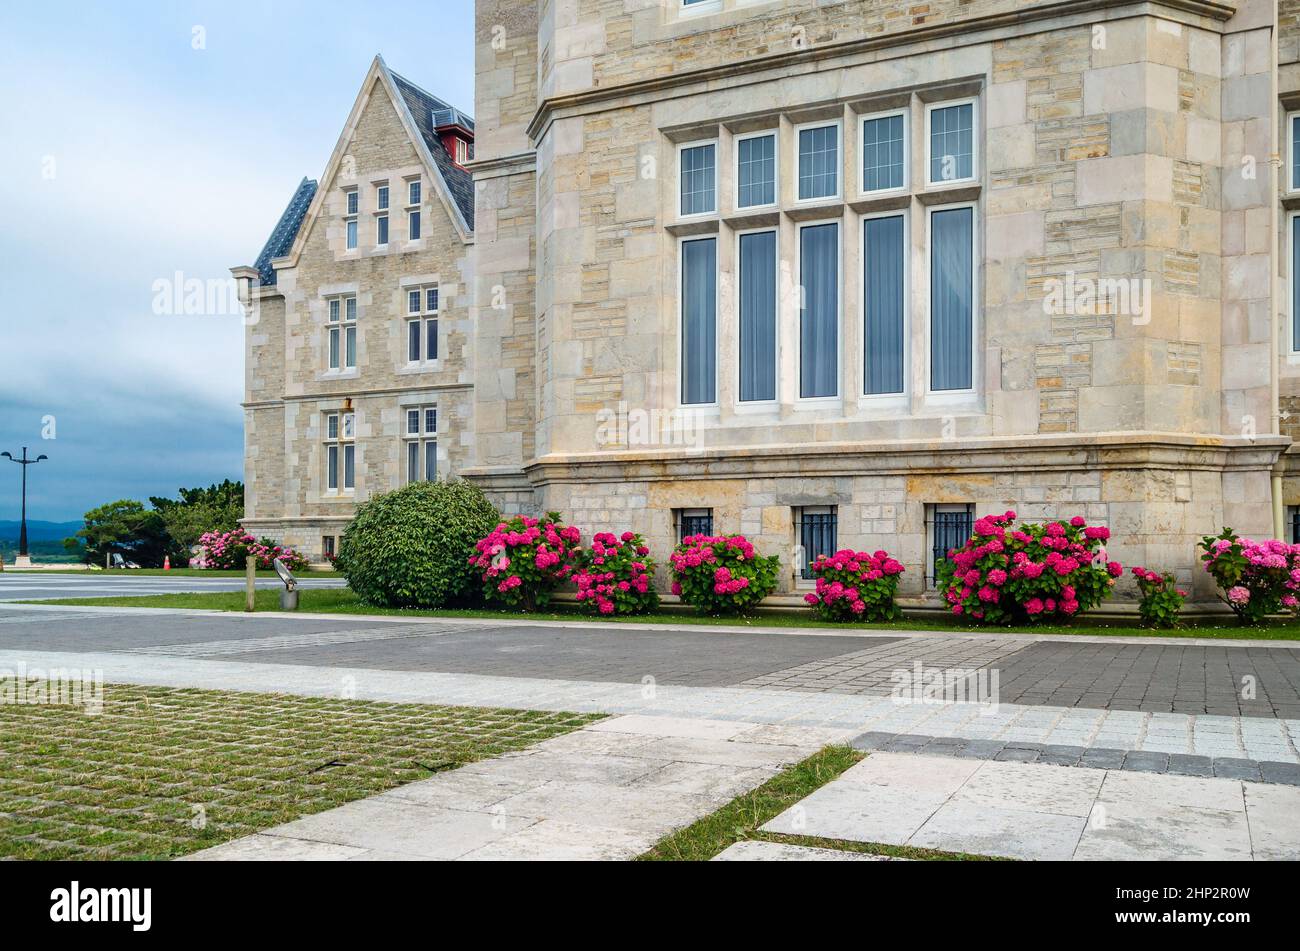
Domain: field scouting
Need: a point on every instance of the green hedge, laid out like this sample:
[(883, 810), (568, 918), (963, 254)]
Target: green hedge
[(411, 548)]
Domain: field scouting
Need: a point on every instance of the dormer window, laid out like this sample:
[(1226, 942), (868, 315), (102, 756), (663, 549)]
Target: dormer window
[(456, 132)]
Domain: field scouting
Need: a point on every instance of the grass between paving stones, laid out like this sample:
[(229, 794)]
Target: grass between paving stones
[(344, 601), (162, 772), (742, 818)]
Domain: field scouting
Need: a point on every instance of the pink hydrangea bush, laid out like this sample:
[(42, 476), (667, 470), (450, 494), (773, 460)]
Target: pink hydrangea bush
[(525, 559), (855, 586), (1034, 573), (1257, 578), (229, 551), (722, 574), (1161, 600), (616, 575)]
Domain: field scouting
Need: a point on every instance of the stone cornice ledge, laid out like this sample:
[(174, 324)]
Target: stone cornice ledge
[(1077, 452), (1024, 14)]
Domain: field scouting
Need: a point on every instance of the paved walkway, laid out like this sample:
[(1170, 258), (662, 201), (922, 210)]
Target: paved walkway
[(724, 708), (1036, 811), (34, 586), (609, 791)]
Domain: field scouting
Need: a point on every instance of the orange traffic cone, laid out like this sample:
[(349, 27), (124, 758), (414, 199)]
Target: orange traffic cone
[(167, 562)]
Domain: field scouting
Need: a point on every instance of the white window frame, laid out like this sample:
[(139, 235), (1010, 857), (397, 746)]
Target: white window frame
[(907, 152), (904, 397), (975, 139), (382, 213), (340, 328), (750, 406), (839, 161), (1289, 172), (934, 396), (414, 183), (424, 316), (421, 439), (344, 438), (700, 8), (351, 231), (813, 402), (1292, 352), (717, 152), (681, 324), (775, 136)]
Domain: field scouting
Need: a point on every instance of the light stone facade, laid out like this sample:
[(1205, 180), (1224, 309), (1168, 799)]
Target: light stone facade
[(1119, 143), (290, 389), (1128, 146)]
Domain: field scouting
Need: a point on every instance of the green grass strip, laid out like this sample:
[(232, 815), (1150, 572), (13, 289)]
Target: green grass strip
[(344, 601), (742, 818)]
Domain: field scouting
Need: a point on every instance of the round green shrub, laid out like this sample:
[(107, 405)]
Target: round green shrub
[(409, 548)]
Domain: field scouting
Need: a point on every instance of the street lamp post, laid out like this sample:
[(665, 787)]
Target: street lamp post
[(24, 560)]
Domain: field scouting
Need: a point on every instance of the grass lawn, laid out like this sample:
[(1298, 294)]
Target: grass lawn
[(184, 572), (161, 772), (343, 601), (741, 818)]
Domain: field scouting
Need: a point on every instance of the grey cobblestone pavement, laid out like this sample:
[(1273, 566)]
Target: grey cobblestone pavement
[(1221, 680), (871, 671)]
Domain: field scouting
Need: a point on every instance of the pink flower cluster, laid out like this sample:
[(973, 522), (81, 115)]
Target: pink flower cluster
[(1258, 578), (525, 559), (1034, 571), (855, 585), (229, 551), (721, 574), (616, 575)]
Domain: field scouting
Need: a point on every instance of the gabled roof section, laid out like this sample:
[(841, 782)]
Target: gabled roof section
[(286, 230), (429, 113), (457, 199)]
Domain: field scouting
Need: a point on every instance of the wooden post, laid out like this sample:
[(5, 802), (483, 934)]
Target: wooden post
[(250, 576)]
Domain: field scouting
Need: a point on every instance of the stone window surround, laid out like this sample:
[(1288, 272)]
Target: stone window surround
[(407, 283), (420, 438), (918, 197), (341, 439), (318, 313), (423, 316), (682, 11), (421, 400), (341, 328)]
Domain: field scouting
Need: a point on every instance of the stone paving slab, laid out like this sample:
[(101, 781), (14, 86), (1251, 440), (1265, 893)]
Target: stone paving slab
[(757, 850), (598, 794), (1039, 811), (1146, 761)]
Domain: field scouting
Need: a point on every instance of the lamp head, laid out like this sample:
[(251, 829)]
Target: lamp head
[(42, 456), (7, 456)]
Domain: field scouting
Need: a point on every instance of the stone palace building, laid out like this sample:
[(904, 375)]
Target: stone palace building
[(825, 273)]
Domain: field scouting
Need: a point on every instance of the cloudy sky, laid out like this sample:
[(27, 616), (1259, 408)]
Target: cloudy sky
[(146, 139)]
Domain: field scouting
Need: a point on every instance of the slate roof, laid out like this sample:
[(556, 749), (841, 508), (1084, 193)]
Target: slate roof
[(286, 229), (423, 105), (429, 112)]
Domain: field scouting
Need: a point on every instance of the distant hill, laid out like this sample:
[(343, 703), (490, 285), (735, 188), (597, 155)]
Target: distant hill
[(38, 531)]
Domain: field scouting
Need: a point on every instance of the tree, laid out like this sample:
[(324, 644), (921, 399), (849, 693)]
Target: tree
[(123, 527), (218, 508)]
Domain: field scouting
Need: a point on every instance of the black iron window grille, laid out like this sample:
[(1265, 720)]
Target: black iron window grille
[(950, 527), (694, 522), (816, 530)]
